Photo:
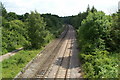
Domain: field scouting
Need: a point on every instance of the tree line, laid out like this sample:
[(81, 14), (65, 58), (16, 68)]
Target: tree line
[(98, 37), (31, 30)]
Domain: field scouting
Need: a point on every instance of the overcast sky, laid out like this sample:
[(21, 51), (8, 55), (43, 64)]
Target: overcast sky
[(59, 7)]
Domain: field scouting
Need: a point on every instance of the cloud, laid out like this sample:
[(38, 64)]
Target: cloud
[(119, 5), (60, 7)]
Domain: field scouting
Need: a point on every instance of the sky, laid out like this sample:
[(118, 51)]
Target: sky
[(59, 7)]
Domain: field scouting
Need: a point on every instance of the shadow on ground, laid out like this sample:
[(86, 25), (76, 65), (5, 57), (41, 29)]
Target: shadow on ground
[(60, 60)]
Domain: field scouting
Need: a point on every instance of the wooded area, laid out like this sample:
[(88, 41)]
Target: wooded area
[(98, 37), (32, 29)]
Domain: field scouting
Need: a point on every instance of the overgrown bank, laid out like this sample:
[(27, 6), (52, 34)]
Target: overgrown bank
[(31, 31), (98, 37), (99, 51), (12, 66)]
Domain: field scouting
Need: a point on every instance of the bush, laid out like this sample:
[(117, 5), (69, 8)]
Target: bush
[(12, 66), (14, 35), (37, 31), (94, 35)]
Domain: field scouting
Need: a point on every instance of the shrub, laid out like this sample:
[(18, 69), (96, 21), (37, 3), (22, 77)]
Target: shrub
[(94, 35)]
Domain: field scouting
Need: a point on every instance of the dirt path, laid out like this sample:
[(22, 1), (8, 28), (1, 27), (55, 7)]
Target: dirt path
[(58, 60), (6, 56)]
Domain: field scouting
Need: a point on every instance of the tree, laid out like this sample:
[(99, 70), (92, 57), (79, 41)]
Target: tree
[(26, 15), (95, 29), (11, 16), (36, 29), (53, 23), (93, 9), (114, 44), (23, 17), (94, 35), (14, 35), (88, 9), (3, 10)]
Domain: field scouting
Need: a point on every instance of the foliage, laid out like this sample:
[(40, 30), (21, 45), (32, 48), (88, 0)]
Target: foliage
[(12, 66), (115, 33), (14, 35), (98, 37), (77, 19), (94, 37), (37, 30), (11, 16), (100, 65), (30, 30), (53, 24), (98, 28), (23, 17), (3, 10)]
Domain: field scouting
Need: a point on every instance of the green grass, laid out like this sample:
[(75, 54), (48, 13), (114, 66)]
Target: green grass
[(5, 51), (12, 66)]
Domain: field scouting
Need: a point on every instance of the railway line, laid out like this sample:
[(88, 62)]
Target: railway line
[(58, 60)]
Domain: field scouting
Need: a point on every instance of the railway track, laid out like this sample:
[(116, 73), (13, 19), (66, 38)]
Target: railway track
[(42, 71), (57, 60)]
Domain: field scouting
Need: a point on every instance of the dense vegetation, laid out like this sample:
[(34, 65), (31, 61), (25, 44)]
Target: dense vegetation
[(98, 38), (20, 30), (77, 19), (96, 46), (12, 66), (31, 31)]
